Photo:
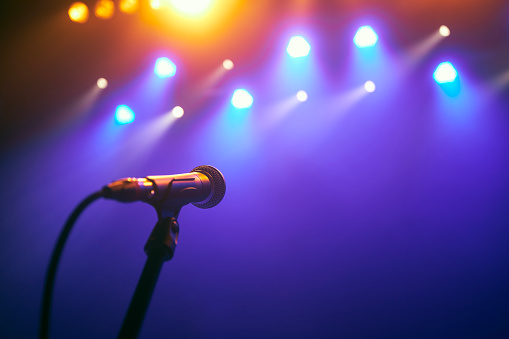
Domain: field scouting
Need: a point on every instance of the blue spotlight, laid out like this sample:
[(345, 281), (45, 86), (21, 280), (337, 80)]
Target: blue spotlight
[(165, 68), (242, 99), (445, 73), (298, 47), (365, 37), (124, 115)]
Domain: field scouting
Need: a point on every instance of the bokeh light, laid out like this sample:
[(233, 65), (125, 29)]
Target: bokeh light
[(242, 99), (124, 115), (165, 68), (298, 47), (444, 31), (365, 37), (155, 4), (445, 73), (177, 112), (78, 12), (302, 96), (228, 64), (102, 83), (128, 6), (369, 86), (191, 7), (104, 9)]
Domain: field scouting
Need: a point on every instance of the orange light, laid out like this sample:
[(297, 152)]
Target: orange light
[(155, 4), (199, 30), (191, 7), (128, 6), (104, 9), (78, 12)]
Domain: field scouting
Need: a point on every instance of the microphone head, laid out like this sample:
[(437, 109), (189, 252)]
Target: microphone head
[(218, 186)]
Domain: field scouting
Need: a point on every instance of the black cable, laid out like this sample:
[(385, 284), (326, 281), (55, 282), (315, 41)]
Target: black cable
[(53, 264)]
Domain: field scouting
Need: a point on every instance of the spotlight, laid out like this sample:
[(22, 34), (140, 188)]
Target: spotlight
[(228, 64), (298, 47), (104, 9), (177, 112), (128, 6), (124, 115), (102, 83), (445, 73), (302, 96), (369, 86), (444, 31), (155, 4), (191, 7), (78, 12), (365, 37), (242, 99), (165, 68)]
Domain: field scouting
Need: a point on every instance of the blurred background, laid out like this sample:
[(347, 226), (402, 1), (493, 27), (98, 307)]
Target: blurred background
[(365, 147)]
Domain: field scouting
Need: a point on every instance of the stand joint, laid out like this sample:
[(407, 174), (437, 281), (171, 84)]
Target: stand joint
[(163, 239)]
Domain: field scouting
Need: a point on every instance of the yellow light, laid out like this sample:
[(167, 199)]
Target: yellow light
[(155, 4), (78, 12), (177, 112), (196, 29), (104, 9), (444, 31), (191, 7), (128, 6), (228, 64), (102, 83)]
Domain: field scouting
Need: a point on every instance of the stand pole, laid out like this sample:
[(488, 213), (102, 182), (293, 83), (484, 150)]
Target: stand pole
[(159, 248)]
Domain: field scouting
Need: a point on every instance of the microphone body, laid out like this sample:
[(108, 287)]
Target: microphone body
[(204, 187)]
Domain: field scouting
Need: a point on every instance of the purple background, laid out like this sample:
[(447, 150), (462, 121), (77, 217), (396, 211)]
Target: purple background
[(381, 217)]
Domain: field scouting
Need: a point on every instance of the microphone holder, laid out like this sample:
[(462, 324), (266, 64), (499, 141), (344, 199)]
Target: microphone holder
[(159, 248)]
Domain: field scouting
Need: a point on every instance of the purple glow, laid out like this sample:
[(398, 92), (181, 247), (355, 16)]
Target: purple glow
[(351, 215)]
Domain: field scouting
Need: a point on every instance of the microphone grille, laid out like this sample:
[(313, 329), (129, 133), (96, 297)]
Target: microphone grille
[(218, 185)]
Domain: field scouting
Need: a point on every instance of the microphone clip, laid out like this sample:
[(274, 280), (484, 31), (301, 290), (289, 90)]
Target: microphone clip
[(163, 239)]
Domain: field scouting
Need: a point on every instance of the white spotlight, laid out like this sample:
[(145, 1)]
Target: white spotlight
[(102, 83), (228, 64), (155, 4), (177, 112), (369, 86), (444, 31), (298, 47), (302, 96)]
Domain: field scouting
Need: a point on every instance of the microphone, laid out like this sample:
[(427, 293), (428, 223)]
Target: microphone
[(204, 187)]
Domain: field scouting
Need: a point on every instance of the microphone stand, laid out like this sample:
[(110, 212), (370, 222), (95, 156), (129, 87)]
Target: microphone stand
[(159, 248)]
